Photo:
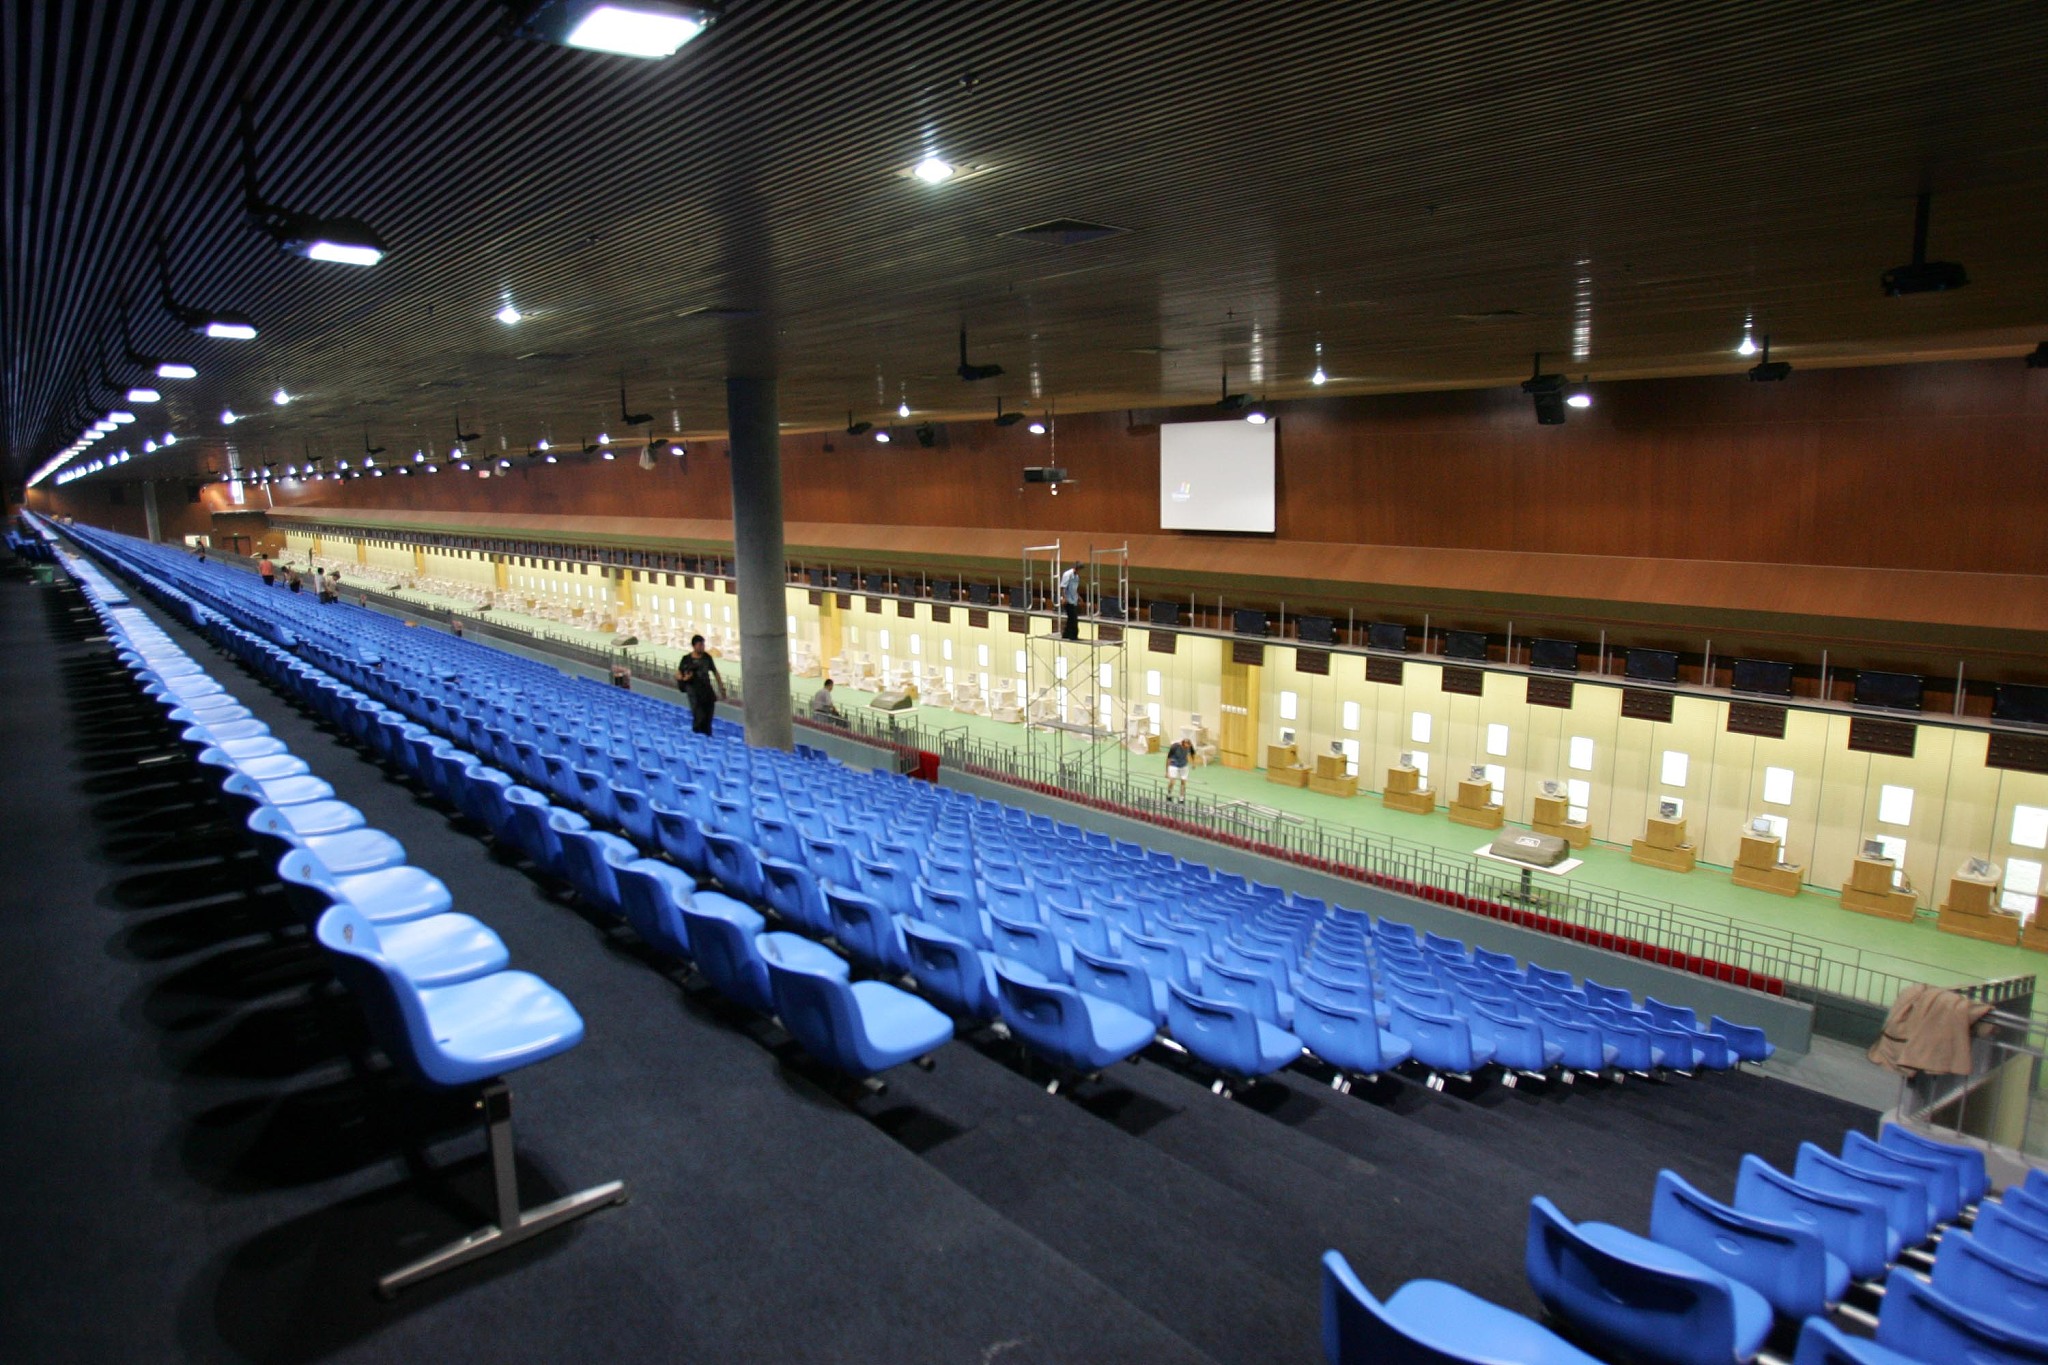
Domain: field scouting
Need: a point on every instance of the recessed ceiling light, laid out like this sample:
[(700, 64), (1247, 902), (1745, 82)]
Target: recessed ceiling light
[(508, 315), (626, 28), (1319, 378), (170, 438), (228, 418), (933, 171), (280, 397)]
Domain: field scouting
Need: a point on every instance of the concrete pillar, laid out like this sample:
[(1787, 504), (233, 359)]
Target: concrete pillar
[(149, 512), (758, 570)]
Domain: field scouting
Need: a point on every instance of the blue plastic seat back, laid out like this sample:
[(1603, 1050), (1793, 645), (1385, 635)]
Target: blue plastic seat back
[(1518, 1044), (1046, 1016), (1253, 990), (1428, 1323), (734, 865), (1080, 928), (1944, 1189), (2013, 1235), (682, 839), (1220, 1032), (1162, 959), (831, 861), (1904, 1199), (1607, 995), (635, 813), (1671, 1016), (1120, 982), (1665, 1310), (1495, 962), (779, 837), (792, 892), (946, 874), (1441, 1041), (587, 856), (949, 968), (1822, 1343), (1785, 1263), (1340, 1033), (1546, 976), (887, 883), (951, 911), (1012, 900), (1972, 1178), (1443, 947), (721, 933), (818, 1008), (1352, 995), (865, 929), (1031, 944), (1850, 1226), (652, 895), (1921, 1321), (1995, 1285)]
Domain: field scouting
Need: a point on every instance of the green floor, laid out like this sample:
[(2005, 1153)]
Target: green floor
[(1918, 951)]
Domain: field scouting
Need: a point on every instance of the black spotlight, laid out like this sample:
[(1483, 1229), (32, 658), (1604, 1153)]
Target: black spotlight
[(928, 435), (1920, 275), (1006, 419), (2037, 359), (970, 372), (1547, 390), (854, 428), (1230, 402), (1767, 370)]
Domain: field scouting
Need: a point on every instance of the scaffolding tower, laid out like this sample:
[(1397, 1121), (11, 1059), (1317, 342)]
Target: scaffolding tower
[(1073, 722)]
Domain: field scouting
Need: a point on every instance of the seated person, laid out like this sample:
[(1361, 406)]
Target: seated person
[(822, 705)]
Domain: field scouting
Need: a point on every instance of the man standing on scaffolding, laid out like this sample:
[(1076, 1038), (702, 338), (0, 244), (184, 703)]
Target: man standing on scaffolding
[(1070, 603)]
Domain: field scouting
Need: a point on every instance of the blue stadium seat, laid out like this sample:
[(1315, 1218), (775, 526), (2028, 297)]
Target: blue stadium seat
[(2014, 1235), (1852, 1227), (1125, 983), (385, 896), (1033, 945), (1920, 1321), (721, 934), (867, 931), (1076, 1032), (792, 892), (465, 1035), (1582, 1048), (652, 895), (1441, 1042), (1428, 1322), (734, 865), (1787, 1263), (1822, 1343), (858, 1028), (1904, 1199), (1992, 1284), (953, 912), (950, 969), (1972, 1179), (682, 839), (1347, 1037), (1227, 1036), (1626, 1294), (1519, 1045), (1944, 1188), (1612, 996), (588, 859)]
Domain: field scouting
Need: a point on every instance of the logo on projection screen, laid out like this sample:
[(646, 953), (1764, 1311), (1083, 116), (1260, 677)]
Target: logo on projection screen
[(1183, 491)]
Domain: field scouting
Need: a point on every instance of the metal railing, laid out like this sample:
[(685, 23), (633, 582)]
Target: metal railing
[(1999, 1101), (1763, 957)]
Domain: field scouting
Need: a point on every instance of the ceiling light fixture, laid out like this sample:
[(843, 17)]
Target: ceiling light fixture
[(1229, 402), (1748, 346), (228, 418), (2037, 359), (139, 395), (1006, 419), (1259, 414), (624, 28), (217, 323), (1036, 428), (175, 369), (1579, 397), (1319, 378), (343, 241), (933, 171), (281, 398), (882, 437), (854, 428), (508, 315), (903, 407), (121, 417)]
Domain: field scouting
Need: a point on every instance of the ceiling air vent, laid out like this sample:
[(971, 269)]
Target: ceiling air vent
[(1066, 232)]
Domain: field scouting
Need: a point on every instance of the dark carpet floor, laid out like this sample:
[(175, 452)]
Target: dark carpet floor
[(201, 1166)]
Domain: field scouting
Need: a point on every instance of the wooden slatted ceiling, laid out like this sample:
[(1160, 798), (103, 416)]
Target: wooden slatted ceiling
[(1433, 190)]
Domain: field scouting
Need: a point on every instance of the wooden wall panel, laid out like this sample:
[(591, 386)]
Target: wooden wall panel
[(1903, 467)]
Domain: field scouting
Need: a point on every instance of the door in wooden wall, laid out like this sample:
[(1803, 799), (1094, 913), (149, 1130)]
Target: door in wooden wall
[(1237, 730)]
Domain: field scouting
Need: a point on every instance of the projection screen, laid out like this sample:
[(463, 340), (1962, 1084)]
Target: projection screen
[(1216, 476)]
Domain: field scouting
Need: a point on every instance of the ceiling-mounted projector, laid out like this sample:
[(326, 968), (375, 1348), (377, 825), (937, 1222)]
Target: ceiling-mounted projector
[(1920, 275)]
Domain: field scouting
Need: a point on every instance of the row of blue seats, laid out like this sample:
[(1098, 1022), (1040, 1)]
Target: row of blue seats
[(917, 893), (435, 984), (1712, 1281)]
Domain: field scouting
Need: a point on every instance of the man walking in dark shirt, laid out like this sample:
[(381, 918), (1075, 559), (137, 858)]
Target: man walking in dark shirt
[(698, 679)]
